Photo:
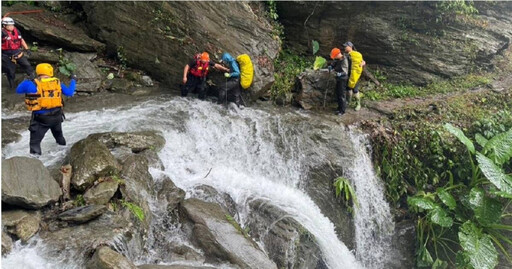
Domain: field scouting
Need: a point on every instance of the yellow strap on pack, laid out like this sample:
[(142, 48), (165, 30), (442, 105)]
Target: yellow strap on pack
[(356, 68)]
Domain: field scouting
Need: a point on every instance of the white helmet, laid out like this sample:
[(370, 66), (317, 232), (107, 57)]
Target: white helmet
[(7, 21)]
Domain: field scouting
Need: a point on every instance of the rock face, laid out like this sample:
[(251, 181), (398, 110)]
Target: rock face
[(101, 193), (220, 239), (27, 183), (402, 38), (106, 258), (181, 29), (6, 243), (83, 214), (45, 26), (136, 141), (22, 224), (89, 159), (168, 192), (87, 72), (287, 242), (313, 88)]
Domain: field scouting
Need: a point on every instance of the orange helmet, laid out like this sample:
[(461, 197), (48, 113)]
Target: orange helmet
[(205, 56), (335, 52)]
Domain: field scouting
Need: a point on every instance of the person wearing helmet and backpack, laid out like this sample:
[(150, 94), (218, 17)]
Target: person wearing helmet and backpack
[(232, 80), (340, 66), (12, 43), (195, 72), (355, 69), (43, 96)]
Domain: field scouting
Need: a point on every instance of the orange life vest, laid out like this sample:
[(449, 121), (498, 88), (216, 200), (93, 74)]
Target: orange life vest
[(200, 69), (49, 95)]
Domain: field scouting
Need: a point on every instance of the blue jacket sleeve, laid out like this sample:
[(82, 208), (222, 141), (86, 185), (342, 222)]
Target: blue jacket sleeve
[(68, 91), (235, 70), (26, 86)]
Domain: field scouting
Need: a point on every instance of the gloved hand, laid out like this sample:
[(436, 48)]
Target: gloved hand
[(227, 75), (329, 68), (73, 76), (28, 52)]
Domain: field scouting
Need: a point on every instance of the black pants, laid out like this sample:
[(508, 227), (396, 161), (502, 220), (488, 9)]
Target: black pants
[(232, 87), (39, 125), (194, 84), (341, 87), (9, 68)]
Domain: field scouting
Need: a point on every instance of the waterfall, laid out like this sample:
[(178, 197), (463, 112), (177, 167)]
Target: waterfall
[(373, 220), (252, 153)]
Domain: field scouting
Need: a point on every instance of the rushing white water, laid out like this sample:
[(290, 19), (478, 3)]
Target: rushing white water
[(373, 221), (251, 154)]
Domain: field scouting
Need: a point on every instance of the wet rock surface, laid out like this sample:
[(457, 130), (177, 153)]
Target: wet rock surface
[(6, 243), (90, 158), (136, 141), (27, 183), (22, 224), (220, 240), (106, 258), (83, 214), (101, 193)]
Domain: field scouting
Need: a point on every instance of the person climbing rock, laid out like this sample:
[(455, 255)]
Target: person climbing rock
[(232, 80), (355, 68), (12, 43), (195, 72), (340, 66), (43, 96)]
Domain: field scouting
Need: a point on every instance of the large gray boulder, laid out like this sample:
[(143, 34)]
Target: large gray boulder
[(83, 214), (22, 224), (136, 141), (287, 243), (170, 33), (101, 193), (6, 243), (27, 183), (106, 258), (90, 158), (88, 74), (50, 27), (169, 193), (219, 238), (411, 41), (314, 88)]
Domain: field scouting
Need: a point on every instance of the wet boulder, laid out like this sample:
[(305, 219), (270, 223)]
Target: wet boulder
[(6, 243), (286, 241), (101, 193), (106, 258), (136, 141), (219, 238), (27, 183), (210, 194), (22, 224), (168, 192), (89, 76), (50, 27), (313, 88), (90, 158), (82, 214)]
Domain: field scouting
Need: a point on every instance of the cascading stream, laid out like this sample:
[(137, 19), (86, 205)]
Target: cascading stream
[(373, 220), (251, 154)]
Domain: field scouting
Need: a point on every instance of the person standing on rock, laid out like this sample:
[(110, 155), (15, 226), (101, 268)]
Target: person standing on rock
[(340, 66), (355, 68), (12, 42), (43, 96), (195, 72), (232, 80)]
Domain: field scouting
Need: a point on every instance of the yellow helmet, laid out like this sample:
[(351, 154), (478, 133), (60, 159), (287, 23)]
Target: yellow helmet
[(44, 69)]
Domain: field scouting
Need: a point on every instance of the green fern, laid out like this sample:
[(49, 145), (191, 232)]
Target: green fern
[(135, 209), (345, 190)]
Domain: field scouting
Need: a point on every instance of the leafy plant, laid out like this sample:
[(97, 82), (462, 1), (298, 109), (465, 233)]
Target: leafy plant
[(66, 67), (319, 62), (467, 216), (346, 192), (79, 200), (287, 66), (315, 46), (134, 209), (34, 47)]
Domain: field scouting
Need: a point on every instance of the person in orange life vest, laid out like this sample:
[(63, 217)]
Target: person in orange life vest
[(43, 96), (195, 72), (12, 42)]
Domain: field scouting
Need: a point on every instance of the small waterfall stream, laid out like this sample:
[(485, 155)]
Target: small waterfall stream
[(251, 153)]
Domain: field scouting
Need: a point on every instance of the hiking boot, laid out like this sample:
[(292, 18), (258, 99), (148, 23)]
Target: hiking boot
[(339, 113), (358, 102)]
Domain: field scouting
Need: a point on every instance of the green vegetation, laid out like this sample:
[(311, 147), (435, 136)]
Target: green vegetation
[(470, 207), (34, 47), (277, 27), (79, 200), (244, 232), (457, 84), (66, 67), (287, 67), (121, 58), (344, 189), (134, 209)]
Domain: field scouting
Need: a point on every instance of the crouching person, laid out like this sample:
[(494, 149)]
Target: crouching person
[(43, 96)]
